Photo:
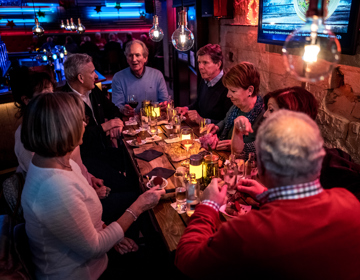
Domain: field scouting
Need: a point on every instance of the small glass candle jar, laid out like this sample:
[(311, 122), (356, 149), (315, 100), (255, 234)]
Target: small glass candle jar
[(196, 166), (210, 168)]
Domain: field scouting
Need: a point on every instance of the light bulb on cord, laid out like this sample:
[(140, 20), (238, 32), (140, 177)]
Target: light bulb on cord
[(73, 27), (80, 27), (62, 25), (182, 38), (156, 34), (67, 26), (37, 29), (312, 51)]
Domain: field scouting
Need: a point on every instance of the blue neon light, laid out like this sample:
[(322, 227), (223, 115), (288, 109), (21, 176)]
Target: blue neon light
[(20, 20), (123, 5), (25, 10), (44, 58), (115, 15)]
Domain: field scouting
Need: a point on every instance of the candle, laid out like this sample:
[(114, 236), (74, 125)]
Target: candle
[(196, 166), (185, 136)]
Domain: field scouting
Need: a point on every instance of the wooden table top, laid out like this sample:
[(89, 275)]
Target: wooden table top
[(170, 223)]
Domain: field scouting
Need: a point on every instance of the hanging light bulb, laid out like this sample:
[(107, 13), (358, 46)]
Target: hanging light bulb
[(312, 51), (67, 26), (62, 25), (156, 34), (80, 27), (73, 27), (182, 38), (37, 29)]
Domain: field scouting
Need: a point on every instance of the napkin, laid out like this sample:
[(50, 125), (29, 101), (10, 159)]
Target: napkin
[(172, 140), (149, 155), (162, 172)]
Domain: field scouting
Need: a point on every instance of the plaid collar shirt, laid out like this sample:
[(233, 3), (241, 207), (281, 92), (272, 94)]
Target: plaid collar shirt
[(291, 192)]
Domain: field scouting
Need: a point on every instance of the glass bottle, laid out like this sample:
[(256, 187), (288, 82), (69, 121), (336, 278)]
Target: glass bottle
[(230, 174), (250, 164), (192, 198)]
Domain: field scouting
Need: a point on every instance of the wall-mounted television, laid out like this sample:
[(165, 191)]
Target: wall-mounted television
[(278, 18)]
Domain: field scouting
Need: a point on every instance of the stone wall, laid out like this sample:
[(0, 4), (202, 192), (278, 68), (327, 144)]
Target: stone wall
[(338, 96)]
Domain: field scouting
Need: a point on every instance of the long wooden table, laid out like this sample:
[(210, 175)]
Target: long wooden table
[(166, 219)]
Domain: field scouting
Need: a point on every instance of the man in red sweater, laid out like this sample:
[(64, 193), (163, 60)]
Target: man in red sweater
[(301, 231)]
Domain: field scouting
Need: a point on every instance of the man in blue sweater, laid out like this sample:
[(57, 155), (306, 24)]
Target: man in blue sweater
[(144, 82), (211, 102)]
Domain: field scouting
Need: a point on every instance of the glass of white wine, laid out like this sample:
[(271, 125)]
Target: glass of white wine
[(187, 140)]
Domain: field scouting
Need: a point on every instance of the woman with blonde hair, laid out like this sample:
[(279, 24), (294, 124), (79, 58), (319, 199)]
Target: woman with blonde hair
[(67, 237)]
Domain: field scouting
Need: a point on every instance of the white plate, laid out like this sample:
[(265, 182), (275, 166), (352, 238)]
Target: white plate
[(153, 138), (132, 133), (163, 185), (244, 208), (130, 142)]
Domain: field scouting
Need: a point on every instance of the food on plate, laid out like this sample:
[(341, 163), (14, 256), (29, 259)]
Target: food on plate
[(178, 153), (138, 139), (233, 208), (240, 196), (158, 181), (209, 140)]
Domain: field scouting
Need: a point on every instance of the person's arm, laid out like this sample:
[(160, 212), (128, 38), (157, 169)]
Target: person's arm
[(118, 94)]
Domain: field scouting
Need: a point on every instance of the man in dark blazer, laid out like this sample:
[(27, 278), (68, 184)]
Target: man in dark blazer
[(103, 119)]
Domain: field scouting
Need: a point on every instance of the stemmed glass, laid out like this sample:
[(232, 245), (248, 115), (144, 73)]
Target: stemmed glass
[(187, 140), (132, 101)]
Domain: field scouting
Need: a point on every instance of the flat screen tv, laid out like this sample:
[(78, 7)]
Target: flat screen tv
[(278, 18)]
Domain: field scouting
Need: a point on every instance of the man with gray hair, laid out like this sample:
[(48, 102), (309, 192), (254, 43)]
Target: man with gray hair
[(104, 125), (144, 82), (301, 230)]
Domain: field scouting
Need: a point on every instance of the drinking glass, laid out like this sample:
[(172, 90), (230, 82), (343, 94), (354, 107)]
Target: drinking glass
[(187, 140), (171, 113), (180, 191), (144, 119), (203, 126), (153, 124), (176, 125), (156, 109), (132, 101)]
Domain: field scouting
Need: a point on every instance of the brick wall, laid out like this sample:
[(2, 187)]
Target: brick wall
[(339, 95)]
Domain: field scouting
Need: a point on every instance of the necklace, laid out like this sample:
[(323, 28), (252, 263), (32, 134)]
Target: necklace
[(62, 163)]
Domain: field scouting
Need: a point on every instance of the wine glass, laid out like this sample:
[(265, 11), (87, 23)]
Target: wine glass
[(187, 140), (132, 101)]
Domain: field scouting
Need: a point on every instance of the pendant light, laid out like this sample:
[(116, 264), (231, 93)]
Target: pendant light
[(62, 25), (156, 34), (182, 38), (73, 27), (312, 51), (67, 26), (80, 27), (37, 29)]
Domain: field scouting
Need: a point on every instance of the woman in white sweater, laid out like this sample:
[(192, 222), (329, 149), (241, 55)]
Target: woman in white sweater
[(67, 238)]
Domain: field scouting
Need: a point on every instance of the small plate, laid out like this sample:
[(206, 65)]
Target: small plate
[(150, 183), (134, 132), (244, 208), (131, 143)]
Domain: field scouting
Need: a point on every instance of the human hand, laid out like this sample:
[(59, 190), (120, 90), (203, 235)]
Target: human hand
[(194, 116), (163, 105), (115, 132), (212, 128), (242, 125), (128, 111), (148, 199), (182, 110), (215, 192), (224, 145), (126, 245), (116, 122), (251, 187)]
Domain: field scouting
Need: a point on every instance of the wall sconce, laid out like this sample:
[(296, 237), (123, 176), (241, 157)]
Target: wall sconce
[(312, 51)]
